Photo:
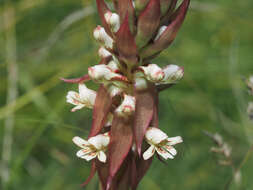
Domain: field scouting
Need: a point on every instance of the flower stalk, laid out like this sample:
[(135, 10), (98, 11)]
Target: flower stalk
[(124, 134)]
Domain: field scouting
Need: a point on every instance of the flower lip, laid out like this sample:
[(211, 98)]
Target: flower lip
[(155, 135)]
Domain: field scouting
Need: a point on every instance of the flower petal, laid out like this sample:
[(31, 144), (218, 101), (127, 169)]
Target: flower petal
[(73, 98), (101, 156), (78, 107), (99, 141), (149, 152), (171, 150), (80, 142), (87, 95), (174, 140), (163, 153), (85, 151), (155, 135), (89, 156)]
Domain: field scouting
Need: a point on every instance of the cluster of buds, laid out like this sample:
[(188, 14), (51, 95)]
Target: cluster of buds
[(250, 104), (125, 134)]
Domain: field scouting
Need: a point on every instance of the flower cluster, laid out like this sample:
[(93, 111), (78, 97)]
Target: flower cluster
[(125, 107)]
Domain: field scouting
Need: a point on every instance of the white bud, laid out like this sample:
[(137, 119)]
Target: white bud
[(100, 72), (160, 32), (103, 74), (153, 72), (102, 37), (127, 107), (113, 65), (140, 83), (114, 90), (103, 53), (173, 73), (113, 20)]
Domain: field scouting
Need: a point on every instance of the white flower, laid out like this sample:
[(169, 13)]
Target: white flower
[(102, 37), (127, 106), (102, 52), (113, 20), (160, 143), (85, 98), (160, 32), (94, 147)]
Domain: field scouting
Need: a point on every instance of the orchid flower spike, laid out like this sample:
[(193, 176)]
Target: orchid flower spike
[(102, 37), (94, 147), (85, 98), (160, 143), (127, 107)]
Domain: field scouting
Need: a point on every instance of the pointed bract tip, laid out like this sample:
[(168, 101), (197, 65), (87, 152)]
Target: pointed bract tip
[(109, 183), (76, 80)]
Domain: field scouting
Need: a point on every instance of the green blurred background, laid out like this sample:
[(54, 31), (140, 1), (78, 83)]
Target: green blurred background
[(42, 40)]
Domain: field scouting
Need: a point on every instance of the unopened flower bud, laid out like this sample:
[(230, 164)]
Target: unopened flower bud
[(113, 65), (140, 83), (104, 74), (102, 37), (101, 72), (103, 53), (173, 73), (114, 90), (113, 20), (153, 72), (160, 32), (127, 107)]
